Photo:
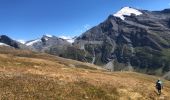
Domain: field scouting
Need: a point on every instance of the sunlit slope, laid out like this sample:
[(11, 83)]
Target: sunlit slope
[(34, 76)]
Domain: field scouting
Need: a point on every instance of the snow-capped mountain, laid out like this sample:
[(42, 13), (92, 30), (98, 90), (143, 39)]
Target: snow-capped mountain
[(127, 11), (130, 39), (46, 42), (32, 42)]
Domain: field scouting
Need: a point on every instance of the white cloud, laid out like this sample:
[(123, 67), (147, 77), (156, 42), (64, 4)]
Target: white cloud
[(21, 41)]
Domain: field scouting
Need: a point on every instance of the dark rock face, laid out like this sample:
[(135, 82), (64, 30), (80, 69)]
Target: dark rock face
[(138, 41), (5, 39)]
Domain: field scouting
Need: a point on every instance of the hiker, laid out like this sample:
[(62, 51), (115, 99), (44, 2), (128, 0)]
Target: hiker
[(159, 86)]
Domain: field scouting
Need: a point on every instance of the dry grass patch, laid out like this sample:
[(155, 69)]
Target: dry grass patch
[(36, 76)]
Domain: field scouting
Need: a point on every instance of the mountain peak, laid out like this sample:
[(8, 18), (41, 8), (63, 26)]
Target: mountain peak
[(47, 35), (127, 11)]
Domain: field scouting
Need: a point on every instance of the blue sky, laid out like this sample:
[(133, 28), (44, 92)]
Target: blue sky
[(30, 19)]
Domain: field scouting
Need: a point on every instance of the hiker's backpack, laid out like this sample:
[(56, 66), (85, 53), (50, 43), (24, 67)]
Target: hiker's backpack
[(158, 85)]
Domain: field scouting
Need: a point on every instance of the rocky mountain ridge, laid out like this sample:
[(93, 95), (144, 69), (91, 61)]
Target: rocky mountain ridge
[(47, 42), (7, 41), (130, 41)]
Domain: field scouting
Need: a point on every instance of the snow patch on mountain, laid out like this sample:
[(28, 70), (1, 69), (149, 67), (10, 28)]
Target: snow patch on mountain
[(127, 11), (32, 42), (21, 41), (47, 35), (3, 44), (46, 39), (68, 38)]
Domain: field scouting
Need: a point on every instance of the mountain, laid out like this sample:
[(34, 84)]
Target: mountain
[(30, 75), (46, 42), (130, 39), (6, 41), (60, 46)]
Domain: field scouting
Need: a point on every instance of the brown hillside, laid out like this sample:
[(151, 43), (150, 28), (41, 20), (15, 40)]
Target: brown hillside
[(26, 75)]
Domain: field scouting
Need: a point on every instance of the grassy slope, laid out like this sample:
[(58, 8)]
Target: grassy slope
[(32, 76)]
